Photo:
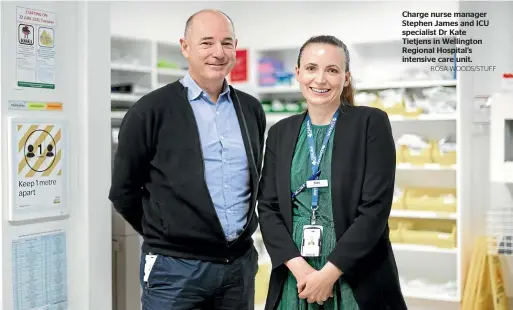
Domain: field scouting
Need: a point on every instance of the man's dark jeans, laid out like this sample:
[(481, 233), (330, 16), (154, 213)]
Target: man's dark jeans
[(183, 284)]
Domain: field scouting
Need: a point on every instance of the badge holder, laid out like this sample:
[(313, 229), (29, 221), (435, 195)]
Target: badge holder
[(312, 239)]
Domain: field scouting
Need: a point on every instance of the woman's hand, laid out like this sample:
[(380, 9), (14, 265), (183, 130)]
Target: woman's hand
[(318, 286), (299, 268)]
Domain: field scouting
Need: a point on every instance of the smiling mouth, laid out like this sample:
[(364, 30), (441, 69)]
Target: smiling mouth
[(217, 65), (319, 90)]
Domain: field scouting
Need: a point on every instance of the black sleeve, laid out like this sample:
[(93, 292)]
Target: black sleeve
[(277, 238), (376, 198), (130, 168)]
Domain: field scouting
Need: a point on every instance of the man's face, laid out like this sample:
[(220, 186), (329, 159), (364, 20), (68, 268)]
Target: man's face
[(209, 47)]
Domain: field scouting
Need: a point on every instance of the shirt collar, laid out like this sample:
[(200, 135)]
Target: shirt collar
[(194, 91)]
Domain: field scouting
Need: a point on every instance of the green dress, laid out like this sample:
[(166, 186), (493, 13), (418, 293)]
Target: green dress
[(302, 211)]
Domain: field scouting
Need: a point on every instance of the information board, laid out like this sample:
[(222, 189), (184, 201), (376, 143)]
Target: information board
[(39, 271)]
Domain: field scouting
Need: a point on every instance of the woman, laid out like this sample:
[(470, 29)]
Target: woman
[(326, 193)]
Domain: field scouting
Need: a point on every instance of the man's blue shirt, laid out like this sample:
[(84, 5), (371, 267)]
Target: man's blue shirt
[(226, 165)]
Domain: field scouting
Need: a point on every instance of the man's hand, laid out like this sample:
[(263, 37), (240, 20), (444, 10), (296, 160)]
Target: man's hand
[(299, 268), (318, 286)]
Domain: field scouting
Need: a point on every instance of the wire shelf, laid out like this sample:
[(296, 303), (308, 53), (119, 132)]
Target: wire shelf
[(499, 226)]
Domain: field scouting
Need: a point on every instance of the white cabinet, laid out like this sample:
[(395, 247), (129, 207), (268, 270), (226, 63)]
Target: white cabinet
[(501, 138), (126, 254)]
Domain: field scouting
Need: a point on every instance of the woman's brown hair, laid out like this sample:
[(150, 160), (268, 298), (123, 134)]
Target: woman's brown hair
[(347, 96)]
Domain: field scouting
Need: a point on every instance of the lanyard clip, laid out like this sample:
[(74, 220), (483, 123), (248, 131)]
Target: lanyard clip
[(313, 217)]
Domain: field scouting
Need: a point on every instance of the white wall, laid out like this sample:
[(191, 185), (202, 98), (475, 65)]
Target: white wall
[(82, 85), (286, 23)]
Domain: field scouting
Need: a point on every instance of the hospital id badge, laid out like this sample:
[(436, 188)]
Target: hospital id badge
[(312, 241), (316, 183)]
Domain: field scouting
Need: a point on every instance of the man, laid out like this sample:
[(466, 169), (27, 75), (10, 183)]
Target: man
[(185, 177)]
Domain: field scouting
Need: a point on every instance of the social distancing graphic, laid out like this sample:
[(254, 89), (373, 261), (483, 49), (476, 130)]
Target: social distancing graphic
[(39, 175), (39, 150)]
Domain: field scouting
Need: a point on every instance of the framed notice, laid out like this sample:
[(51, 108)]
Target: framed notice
[(38, 158)]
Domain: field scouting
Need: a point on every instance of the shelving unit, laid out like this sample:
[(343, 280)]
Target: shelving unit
[(145, 65), (423, 214)]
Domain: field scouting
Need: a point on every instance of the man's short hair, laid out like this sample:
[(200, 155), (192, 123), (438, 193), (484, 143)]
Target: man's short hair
[(188, 23)]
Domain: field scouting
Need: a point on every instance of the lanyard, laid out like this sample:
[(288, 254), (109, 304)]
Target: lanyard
[(316, 160), (302, 187)]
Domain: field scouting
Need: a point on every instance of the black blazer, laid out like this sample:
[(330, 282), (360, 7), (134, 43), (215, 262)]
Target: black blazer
[(362, 185)]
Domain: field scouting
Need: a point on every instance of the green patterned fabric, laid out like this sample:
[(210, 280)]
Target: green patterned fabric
[(301, 171)]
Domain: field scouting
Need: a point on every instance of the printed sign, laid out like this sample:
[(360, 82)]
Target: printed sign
[(39, 271), (34, 105), (39, 174), (35, 51)]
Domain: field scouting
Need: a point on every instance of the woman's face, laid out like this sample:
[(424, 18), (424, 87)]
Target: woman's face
[(321, 74)]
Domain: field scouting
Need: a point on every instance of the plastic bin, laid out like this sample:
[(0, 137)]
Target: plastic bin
[(397, 226), (399, 154), (417, 157), (444, 158), (398, 200), (412, 112), (431, 199), (393, 104), (395, 231), (393, 109), (439, 233)]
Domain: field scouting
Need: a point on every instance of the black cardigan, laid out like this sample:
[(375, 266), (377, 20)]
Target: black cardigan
[(362, 185), (158, 182)]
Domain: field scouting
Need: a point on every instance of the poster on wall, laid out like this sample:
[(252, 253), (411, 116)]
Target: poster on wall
[(35, 48), (39, 271), (39, 174), (239, 73)]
